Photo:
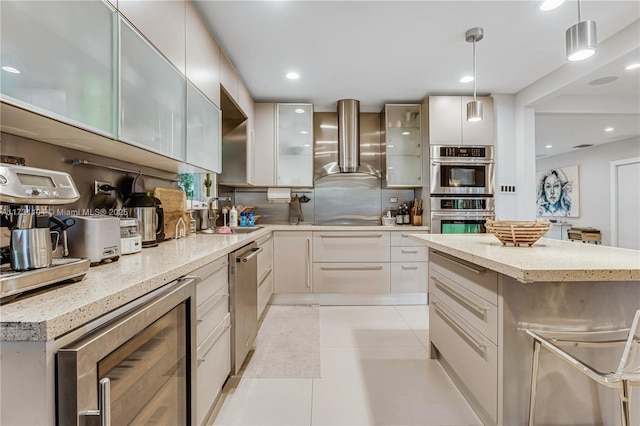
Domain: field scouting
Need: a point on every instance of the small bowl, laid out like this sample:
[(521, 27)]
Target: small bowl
[(388, 221)]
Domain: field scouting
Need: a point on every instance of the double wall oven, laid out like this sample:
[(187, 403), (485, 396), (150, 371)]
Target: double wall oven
[(462, 188)]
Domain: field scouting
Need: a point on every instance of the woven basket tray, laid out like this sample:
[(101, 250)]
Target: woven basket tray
[(518, 232)]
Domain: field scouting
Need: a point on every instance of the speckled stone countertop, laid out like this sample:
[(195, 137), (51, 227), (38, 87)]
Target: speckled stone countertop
[(54, 311), (547, 260)]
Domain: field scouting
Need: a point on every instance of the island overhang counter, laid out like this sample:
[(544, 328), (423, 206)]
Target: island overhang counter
[(482, 294)]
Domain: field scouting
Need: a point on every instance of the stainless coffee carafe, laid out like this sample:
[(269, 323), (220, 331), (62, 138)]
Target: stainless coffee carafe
[(32, 248), (149, 213)]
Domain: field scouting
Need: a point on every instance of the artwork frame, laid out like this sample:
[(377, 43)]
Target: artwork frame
[(558, 192)]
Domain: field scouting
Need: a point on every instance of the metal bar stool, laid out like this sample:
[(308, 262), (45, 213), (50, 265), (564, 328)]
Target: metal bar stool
[(626, 375)]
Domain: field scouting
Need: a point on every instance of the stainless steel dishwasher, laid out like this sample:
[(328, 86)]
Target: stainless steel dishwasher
[(243, 300)]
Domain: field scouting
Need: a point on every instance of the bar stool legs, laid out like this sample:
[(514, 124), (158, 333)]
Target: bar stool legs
[(534, 382)]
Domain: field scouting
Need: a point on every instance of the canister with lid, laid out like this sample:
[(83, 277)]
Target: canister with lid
[(130, 239)]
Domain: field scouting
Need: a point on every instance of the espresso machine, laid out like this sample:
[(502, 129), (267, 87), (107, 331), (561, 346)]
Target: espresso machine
[(28, 196)]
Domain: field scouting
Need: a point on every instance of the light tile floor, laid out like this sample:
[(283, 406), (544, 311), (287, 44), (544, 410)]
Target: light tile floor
[(375, 370)]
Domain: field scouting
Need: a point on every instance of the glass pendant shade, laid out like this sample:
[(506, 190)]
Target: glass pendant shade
[(581, 41), (474, 111)]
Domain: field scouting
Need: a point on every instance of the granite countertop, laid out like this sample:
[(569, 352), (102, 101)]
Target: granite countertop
[(547, 260), (54, 311)]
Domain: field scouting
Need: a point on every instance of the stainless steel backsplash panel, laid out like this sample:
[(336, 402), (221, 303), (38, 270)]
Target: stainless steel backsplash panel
[(347, 199)]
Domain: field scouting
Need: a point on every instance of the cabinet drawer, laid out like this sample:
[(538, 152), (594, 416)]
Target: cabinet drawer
[(480, 314), (211, 278), (410, 254), (402, 239), (214, 366), (211, 312), (265, 289), (357, 246), (473, 358), (265, 257), (409, 277), (351, 278), (481, 281)]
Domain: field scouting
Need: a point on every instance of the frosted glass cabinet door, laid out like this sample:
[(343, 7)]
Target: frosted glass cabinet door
[(295, 145), (152, 97), (403, 146), (61, 60), (204, 147)]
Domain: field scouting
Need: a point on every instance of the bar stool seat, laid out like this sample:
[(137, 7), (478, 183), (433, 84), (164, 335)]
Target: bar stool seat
[(626, 375)]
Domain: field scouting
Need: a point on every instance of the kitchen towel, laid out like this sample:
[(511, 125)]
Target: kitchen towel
[(288, 344), (295, 211)]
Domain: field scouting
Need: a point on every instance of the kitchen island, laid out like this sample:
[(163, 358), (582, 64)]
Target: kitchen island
[(482, 294)]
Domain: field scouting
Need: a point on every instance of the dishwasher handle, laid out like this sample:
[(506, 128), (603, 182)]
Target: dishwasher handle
[(254, 252)]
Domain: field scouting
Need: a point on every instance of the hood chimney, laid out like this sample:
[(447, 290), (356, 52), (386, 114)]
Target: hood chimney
[(348, 135)]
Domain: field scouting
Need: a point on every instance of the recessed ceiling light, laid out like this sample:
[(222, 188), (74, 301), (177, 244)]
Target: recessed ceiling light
[(406, 133), (547, 5), (293, 75), (306, 144), (12, 70), (603, 80), (328, 126), (548, 146), (299, 111), (390, 146), (609, 129), (466, 79), (304, 132), (632, 67)]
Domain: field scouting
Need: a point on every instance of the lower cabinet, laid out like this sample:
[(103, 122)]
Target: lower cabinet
[(463, 328), (409, 267), (349, 278), (213, 335), (292, 261), (265, 273)]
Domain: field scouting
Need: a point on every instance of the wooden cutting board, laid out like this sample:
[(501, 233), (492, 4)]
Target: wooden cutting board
[(173, 200)]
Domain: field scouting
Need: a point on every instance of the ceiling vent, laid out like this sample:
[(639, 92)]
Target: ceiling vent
[(584, 145)]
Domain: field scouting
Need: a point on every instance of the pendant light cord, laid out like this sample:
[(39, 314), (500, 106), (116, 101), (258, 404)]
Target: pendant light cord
[(474, 70), (579, 12)]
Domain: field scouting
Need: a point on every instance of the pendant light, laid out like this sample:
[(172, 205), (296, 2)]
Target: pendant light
[(581, 39), (474, 108)]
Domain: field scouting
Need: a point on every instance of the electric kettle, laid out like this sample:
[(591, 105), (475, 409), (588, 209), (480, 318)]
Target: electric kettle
[(148, 211)]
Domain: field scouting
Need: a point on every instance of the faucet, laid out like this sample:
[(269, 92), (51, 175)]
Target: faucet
[(212, 213)]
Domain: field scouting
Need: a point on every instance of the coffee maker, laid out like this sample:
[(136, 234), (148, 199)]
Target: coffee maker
[(27, 195)]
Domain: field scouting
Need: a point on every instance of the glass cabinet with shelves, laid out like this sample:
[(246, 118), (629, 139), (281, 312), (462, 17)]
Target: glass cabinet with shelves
[(204, 144), (402, 145), (48, 68), (294, 145), (152, 97)]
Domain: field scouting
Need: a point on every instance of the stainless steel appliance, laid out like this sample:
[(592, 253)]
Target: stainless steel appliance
[(461, 215), (148, 210), (27, 194), (462, 170), (95, 237), (243, 301), (135, 366)]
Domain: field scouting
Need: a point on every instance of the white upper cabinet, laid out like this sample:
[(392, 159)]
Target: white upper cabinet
[(294, 145), (62, 59), (204, 120), (162, 23), (402, 146), (228, 77), (265, 145), (202, 56), (448, 125), (152, 97)]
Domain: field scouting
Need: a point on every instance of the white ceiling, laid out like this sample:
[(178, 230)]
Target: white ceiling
[(402, 51)]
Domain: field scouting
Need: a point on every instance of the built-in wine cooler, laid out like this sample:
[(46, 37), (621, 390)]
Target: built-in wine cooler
[(136, 367)]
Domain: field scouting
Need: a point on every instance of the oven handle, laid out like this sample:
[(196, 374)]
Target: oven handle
[(103, 413), (435, 162)]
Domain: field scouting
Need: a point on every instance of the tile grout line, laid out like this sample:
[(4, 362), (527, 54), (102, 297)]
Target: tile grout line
[(411, 328)]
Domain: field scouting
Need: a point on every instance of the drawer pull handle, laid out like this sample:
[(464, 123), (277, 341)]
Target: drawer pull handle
[(475, 270), (478, 308), (465, 334), (351, 268), (201, 360), (407, 251), (208, 274), (409, 267), (210, 305), (351, 236), (265, 276)]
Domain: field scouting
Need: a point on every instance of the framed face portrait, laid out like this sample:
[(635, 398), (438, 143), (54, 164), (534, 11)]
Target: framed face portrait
[(558, 192)]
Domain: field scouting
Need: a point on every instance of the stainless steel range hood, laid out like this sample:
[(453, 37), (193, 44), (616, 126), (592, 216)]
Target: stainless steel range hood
[(338, 145)]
